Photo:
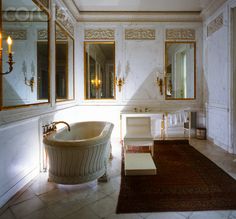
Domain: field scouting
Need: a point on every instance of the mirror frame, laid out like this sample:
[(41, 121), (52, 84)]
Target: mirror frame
[(47, 11), (166, 63), (73, 69), (85, 69)]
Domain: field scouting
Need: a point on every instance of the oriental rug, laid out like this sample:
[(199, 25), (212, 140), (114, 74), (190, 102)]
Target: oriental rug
[(185, 181)]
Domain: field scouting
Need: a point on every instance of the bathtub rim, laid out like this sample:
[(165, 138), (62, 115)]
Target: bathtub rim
[(104, 135)]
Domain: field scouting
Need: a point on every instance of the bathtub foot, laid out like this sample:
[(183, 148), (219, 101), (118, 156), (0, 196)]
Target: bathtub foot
[(103, 178)]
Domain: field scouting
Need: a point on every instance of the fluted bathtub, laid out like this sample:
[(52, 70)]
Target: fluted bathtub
[(80, 155)]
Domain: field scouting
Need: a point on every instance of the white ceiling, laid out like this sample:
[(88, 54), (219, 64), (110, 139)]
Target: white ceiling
[(141, 5)]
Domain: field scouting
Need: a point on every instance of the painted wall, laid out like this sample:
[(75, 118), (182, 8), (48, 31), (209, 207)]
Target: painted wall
[(217, 78), (139, 62)]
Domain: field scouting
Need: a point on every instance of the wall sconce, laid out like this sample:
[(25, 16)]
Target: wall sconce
[(96, 83), (169, 88), (120, 82), (160, 84), (29, 82), (10, 56)]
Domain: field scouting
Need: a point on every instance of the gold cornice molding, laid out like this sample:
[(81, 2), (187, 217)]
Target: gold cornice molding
[(15, 34), (140, 34), (99, 34), (63, 18), (215, 25), (180, 34)]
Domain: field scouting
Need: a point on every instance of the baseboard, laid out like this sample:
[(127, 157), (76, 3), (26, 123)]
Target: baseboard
[(17, 187)]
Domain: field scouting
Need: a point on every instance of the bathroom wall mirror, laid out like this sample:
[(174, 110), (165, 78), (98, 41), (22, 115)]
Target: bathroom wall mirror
[(180, 70), (27, 24), (64, 65), (99, 70)]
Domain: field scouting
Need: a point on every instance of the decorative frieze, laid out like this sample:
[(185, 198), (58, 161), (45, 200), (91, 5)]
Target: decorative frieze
[(180, 34), (99, 34), (43, 35), (215, 25), (15, 34), (140, 34), (64, 19)]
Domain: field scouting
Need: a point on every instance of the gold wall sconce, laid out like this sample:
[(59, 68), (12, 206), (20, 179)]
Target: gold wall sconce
[(96, 83), (10, 56), (120, 82), (30, 83), (160, 84)]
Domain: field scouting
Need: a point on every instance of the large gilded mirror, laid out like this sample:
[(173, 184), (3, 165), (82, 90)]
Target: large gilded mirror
[(99, 70), (64, 65), (27, 24), (180, 70)]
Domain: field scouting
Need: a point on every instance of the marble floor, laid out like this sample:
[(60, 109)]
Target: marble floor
[(94, 200)]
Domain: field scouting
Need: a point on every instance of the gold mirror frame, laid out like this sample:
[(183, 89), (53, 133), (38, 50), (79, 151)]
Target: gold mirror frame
[(47, 12), (58, 100), (85, 69), (166, 69)]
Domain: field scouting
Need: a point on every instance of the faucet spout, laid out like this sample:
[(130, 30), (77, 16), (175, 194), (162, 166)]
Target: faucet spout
[(68, 126)]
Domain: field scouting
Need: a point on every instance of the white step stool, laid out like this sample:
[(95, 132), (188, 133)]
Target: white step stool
[(139, 164)]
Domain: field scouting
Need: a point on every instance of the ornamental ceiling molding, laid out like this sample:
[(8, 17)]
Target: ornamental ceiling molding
[(140, 34), (215, 25), (43, 35), (99, 34), (63, 18), (15, 34), (180, 34)]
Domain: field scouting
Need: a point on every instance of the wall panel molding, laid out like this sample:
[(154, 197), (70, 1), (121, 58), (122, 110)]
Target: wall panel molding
[(140, 34), (215, 25), (180, 34), (99, 34)]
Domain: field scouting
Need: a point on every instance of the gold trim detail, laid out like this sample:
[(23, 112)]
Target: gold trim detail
[(64, 19), (45, 3), (140, 34), (43, 35), (99, 34), (15, 34), (215, 25), (180, 34)]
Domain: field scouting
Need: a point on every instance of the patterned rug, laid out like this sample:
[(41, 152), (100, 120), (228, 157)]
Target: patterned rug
[(185, 181)]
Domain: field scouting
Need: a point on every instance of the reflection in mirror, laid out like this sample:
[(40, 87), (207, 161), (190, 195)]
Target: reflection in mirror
[(64, 65), (27, 25), (180, 70), (99, 70)]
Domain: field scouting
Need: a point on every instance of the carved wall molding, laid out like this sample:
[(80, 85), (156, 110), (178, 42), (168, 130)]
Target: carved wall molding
[(43, 35), (180, 34), (15, 34), (140, 34), (215, 25), (64, 19), (99, 34)]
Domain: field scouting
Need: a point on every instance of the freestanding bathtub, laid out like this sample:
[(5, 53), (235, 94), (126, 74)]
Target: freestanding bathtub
[(80, 155)]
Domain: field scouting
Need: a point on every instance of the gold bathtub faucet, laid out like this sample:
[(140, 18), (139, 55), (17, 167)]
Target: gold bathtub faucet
[(48, 128), (55, 123)]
